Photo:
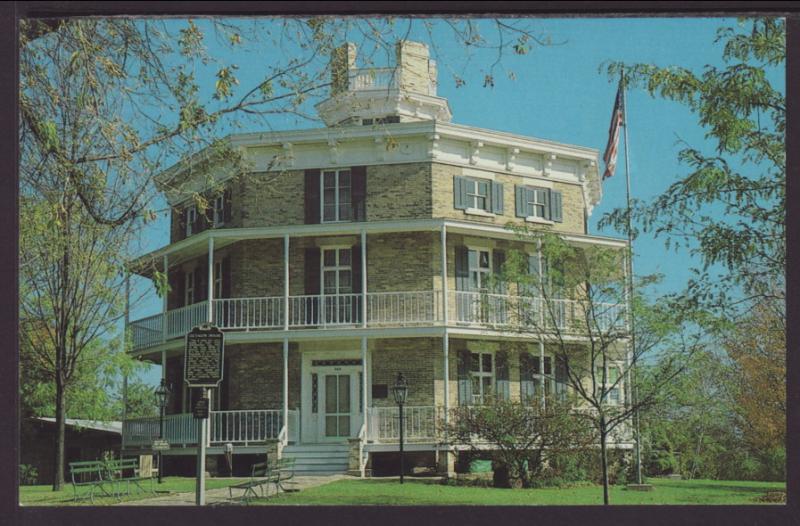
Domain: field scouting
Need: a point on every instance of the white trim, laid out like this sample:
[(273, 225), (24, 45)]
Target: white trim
[(479, 212), (534, 219)]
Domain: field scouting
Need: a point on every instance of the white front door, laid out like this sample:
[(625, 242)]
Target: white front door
[(335, 403)]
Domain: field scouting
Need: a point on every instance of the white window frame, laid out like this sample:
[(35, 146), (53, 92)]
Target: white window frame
[(484, 272), (473, 194), (219, 210), (532, 206), (482, 397), (337, 191), (191, 219), (188, 288)]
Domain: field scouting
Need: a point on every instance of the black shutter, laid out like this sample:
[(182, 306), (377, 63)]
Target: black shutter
[(312, 270), (502, 377), (355, 265), (498, 260), (199, 283), (312, 306), (180, 280), (358, 180), (180, 215), (521, 204), (226, 278), (312, 205), (459, 192), (546, 204), (497, 198), (555, 206), (226, 204), (462, 268), (464, 382)]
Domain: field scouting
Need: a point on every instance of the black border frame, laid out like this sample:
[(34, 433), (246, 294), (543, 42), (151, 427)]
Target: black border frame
[(596, 515)]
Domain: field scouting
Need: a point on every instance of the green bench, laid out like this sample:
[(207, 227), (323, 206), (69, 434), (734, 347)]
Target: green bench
[(281, 474), (126, 470), (91, 474)]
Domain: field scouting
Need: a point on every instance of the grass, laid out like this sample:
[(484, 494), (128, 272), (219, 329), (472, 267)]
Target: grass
[(43, 495), (420, 493)]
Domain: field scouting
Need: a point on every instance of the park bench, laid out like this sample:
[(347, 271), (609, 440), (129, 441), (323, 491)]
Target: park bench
[(285, 476), (126, 470), (260, 474), (91, 474)]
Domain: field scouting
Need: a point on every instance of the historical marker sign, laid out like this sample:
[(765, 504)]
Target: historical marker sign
[(203, 357), (200, 409), (160, 444)]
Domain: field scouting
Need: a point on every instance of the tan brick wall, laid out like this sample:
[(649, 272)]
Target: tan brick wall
[(399, 191), (401, 262), (442, 191), (255, 376), (414, 358)]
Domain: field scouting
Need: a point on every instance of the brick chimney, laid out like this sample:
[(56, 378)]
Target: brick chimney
[(343, 59), (416, 71)]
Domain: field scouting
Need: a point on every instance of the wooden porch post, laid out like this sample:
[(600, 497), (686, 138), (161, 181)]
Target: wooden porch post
[(125, 346), (286, 282), (210, 318), (164, 303), (364, 383), (541, 324), (364, 281), (445, 318), (286, 383)]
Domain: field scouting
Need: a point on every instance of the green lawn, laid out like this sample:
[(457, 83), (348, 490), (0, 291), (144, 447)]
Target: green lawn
[(420, 492), (45, 496)]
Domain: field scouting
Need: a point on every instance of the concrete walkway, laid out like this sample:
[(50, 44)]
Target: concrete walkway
[(221, 496)]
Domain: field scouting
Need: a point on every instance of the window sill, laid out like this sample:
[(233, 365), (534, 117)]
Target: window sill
[(478, 212), (541, 221)]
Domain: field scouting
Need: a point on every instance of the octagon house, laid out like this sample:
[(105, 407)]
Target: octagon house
[(349, 254)]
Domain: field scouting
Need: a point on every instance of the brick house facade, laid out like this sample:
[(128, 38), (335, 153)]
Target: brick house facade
[(353, 258)]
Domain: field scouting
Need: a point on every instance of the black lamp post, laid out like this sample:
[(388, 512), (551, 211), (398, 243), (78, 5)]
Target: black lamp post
[(162, 394), (400, 392)]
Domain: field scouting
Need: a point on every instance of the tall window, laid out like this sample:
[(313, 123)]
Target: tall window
[(479, 269), (336, 195), (530, 377), (337, 279), (482, 376), (191, 219), (189, 288), (219, 210), (478, 194)]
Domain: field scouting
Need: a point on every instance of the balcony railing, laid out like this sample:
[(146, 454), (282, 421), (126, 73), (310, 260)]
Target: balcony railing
[(383, 309), (373, 78), (243, 427)]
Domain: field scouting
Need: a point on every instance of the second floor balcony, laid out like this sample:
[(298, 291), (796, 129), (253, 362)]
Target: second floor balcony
[(501, 312)]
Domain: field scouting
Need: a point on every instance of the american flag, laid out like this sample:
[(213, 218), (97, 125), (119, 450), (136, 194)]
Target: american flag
[(610, 157)]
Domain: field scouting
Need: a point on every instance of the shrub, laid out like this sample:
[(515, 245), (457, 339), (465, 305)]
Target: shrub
[(28, 475)]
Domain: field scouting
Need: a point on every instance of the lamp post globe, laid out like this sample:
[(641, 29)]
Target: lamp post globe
[(400, 392)]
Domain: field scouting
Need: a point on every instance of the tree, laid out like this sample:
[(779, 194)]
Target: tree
[(574, 298), (757, 348), (524, 435), (729, 208), (108, 104)]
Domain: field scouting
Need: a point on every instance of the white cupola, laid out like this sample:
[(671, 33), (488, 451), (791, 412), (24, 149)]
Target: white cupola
[(405, 92)]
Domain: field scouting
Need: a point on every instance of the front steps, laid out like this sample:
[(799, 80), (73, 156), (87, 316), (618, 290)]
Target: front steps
[(318, 459)]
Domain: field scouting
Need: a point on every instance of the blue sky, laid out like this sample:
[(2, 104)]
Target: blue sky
[(560, 94)]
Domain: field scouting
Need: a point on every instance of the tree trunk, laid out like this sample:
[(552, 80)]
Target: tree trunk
[(604, 462), (58, 467)]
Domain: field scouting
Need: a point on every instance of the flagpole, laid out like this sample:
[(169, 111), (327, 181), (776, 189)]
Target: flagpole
[(634, 390)]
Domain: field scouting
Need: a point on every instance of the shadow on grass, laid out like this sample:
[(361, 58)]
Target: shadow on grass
[(688, 484)]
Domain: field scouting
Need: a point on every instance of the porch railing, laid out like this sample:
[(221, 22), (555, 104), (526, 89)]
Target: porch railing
[(325, 310), (382, 309), (385, 308), (180, 321), (418, 422), (249, 313)]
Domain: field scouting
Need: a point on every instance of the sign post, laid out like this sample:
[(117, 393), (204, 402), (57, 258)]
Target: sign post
[(203, 359)]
